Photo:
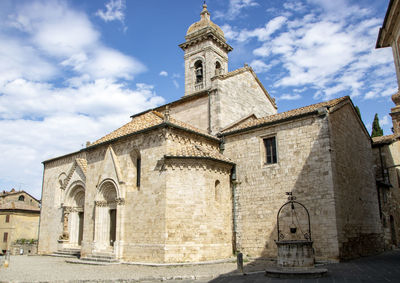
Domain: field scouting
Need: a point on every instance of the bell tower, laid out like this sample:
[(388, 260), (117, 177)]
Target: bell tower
[(206, 53)]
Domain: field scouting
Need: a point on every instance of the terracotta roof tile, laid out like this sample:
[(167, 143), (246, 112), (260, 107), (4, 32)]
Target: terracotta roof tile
[(82, 163), (285, 115), (193, 150), (144, 121)]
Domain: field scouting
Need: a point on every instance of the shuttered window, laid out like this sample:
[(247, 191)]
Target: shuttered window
[(270, 150)]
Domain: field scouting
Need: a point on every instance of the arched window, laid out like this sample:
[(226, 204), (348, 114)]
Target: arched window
[(21, 198), (217, 192), (198, 67), (218, 69)]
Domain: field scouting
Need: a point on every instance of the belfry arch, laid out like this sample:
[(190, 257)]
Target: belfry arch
[(106, 216)]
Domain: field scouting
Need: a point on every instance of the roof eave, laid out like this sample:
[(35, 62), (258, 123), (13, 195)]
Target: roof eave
[(199, 157), (269, 123), (380, 40)]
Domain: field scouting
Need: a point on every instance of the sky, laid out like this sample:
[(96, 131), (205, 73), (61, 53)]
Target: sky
[(72, 71)]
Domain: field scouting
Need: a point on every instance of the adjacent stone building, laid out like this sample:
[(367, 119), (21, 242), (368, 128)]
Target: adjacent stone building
[(387, 148), (19, 219), (204, 176)]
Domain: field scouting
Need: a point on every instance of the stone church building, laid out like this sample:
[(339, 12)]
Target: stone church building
[(202, 177)]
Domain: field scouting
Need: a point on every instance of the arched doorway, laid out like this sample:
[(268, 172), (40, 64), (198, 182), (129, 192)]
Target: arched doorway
[(74, 215), (106, 217)]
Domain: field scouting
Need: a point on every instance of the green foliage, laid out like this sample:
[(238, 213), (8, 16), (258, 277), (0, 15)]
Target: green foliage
[(23, 241), (376, 128), (358, 112)]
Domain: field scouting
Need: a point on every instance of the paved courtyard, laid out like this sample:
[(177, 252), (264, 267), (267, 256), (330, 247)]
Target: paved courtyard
[(381, 268)]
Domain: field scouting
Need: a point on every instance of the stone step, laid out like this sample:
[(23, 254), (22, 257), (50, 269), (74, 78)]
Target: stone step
[(100, 257), (91, 262), (73, 253)]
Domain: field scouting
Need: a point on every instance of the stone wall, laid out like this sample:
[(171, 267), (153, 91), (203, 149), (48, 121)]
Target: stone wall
[(304, 168), (208, 52), (198, 211), (195, 112), (387, 156), (140, 234), (237, 96), (21, 225), (356, 200), (52, 196)]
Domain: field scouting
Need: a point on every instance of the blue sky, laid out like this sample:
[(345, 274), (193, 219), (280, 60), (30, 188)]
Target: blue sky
[(72, 71)]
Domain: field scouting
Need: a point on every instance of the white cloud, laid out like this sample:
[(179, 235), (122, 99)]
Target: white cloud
[(259, 66), (262, 34), (176, 84), (164, 73), (235, 9), (60, 86), (115, 11), (66, 35), (295, 6), (290, 96), (385, 121), (331, 54)]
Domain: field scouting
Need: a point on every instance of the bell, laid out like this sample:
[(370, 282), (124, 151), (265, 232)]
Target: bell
[(199, 72), (293, 229)]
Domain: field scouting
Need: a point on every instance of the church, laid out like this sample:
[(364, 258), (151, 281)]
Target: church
[(203, 177)]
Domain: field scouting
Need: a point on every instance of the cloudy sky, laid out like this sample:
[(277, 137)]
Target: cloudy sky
[(74, 70)]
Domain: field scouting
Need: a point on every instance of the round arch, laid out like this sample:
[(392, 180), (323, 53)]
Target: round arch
[(75, 195), (108, 191)]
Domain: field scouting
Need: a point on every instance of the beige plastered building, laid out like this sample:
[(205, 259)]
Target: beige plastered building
[(19, 218), (204, 176)]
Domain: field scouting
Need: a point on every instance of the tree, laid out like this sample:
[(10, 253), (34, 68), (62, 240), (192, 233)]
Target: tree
[(358, 112), (376, 128)]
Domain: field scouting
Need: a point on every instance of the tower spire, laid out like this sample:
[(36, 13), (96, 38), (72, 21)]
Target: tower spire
[(205, 13)]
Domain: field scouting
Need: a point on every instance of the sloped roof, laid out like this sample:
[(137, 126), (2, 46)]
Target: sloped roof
[(14, 192), (284, 115), (196, 151), (82, 163), (18, 205), (145, 121), (385, 139)]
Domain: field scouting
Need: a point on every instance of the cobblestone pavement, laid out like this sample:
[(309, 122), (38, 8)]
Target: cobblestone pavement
[(380, 268)]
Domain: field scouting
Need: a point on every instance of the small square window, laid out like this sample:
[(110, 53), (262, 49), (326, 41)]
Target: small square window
[(270, 150)]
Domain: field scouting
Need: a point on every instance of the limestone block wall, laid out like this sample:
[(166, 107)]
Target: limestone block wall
[(391, 203), (52, 196), (356, 200), (304, 167), (236, 97), (194, 112), (208, 52), (198, 211), (140, 217)]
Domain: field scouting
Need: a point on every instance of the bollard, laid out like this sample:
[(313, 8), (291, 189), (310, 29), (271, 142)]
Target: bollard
[(240, 262), (7, 259)]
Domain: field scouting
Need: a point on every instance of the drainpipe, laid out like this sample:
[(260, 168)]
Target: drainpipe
[(383, 178), (234, 183)]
